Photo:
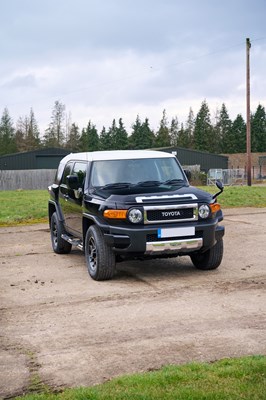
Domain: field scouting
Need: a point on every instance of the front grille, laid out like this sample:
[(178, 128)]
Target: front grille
[(169, 215), (153, 237)]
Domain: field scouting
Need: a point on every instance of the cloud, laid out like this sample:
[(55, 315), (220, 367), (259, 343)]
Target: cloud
[(20, 81), (119, 58)]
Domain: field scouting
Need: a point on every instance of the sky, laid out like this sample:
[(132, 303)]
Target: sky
[(111, 59)]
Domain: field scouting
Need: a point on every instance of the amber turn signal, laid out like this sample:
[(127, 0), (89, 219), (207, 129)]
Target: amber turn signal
[(115, 214), (215, 207)]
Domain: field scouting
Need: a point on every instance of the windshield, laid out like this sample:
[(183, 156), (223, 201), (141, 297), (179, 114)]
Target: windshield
[(143, 172)]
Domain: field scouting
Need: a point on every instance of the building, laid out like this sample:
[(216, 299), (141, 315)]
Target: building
[(204, 160), (36, 159)]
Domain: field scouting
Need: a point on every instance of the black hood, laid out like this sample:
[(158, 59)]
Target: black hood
[(186, 193)]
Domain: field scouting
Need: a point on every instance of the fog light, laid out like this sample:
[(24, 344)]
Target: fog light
[(204, 211), (135, 216)]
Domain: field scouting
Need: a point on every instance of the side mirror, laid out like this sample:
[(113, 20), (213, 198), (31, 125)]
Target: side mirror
[(188, 174), (73, 182), (220, 187)]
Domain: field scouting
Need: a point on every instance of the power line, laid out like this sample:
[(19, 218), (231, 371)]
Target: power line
[(148, 71)]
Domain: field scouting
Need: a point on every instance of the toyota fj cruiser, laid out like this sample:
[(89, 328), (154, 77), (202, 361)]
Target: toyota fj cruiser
[(118, 205)]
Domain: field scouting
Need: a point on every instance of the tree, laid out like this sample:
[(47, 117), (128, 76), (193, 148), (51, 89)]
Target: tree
[(223, 132), (119, 138), (27, 133), (258, 130), (135, 140), (105, 139), (174, 132), (73, 143), (20, 134), (7, 136), (163, 136), (186, 135), (146, 135), (238, 135), (203, 132), (142, 137), (55, 133), (184, 138), (190, 127), (89, 140)]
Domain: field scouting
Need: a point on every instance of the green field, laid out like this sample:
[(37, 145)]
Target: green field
[(23, 206), (228, 379), (30, 206)]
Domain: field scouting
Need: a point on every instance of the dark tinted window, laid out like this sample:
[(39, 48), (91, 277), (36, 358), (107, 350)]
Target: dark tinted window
[(80, 170), (67, 171)]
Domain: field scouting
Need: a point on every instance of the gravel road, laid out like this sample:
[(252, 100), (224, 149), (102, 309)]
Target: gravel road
[(61, 328)]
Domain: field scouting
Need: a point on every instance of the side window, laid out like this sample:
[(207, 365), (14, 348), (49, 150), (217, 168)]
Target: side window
[(67, 171), (80, 170)]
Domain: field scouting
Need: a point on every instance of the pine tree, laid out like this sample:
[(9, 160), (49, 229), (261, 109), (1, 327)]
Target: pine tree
[(32, 139), (223, 132), (119, 138), (147, 136), (89, 140), (203, 132), (20, 133), (55, 133), (73, 143), (142, 136), (93, 138), (184, 139), (186, 135), (258, 130), (163, 136), (105, 139), (7, 136), (238, 135), (135, 140), (174, 132)]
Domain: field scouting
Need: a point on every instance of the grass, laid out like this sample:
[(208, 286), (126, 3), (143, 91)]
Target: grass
[(30, 206), (23, 207), (228, 379), (240, 196)]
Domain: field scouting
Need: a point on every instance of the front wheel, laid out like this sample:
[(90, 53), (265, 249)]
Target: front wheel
[(210, 259), (100, 258)]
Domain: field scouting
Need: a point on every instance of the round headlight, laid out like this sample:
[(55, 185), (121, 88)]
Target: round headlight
[(135, 216), (204, 211)]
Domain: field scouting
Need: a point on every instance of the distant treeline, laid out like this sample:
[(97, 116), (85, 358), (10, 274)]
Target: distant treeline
[(200, 132)]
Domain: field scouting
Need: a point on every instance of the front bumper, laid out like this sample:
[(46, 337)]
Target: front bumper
[(144, 240)]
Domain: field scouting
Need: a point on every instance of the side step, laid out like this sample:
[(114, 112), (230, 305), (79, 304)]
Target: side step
[(74, 241)]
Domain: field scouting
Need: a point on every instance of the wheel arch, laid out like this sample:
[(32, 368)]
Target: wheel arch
[(86, 223), (52, 208)]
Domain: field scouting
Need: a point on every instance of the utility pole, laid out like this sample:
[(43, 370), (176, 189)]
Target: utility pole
[(248, 45)]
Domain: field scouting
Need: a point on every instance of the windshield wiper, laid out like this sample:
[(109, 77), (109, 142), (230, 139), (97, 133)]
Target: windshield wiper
[(117, 185), (173, 182), (149, 183)]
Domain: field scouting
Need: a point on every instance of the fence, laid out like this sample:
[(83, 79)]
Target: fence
[(26, 179), (226, 176)]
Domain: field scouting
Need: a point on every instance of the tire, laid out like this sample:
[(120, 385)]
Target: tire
[(60, 246), (100, 258), (210, 259)]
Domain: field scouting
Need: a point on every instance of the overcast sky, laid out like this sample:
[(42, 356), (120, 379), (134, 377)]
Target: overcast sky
[(107, 59)]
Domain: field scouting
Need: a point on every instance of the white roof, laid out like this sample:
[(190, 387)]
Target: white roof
[(116, 155)]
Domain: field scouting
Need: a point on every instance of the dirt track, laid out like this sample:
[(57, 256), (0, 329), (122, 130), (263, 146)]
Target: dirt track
[(60, 326)]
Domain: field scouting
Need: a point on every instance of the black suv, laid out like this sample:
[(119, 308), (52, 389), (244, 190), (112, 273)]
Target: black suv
[(117, 205)]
